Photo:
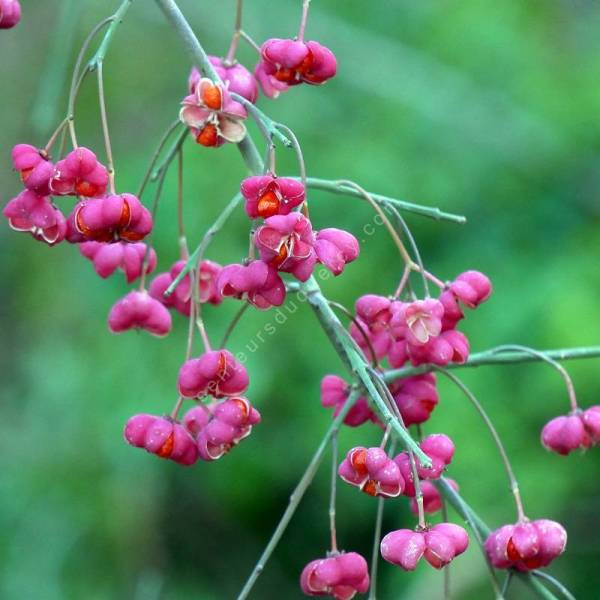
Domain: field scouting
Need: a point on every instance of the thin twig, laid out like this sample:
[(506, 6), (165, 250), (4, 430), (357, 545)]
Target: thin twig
[(172, 127), (235, 38), (297, 496), (183, 247), (392, 231), (507, 582), (297, 148), (236, 319), (105, 131), (332, 494), (554, 583), (249, 41), (413, 244), (377, 535), (79, 75), (491, 357), (542, 356), (426, 211), (161, 174), (303, 20), (268, 127), (447, 567), (514, 485)]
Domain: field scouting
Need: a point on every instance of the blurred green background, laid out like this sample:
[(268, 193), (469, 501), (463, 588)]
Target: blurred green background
[(491, 109)]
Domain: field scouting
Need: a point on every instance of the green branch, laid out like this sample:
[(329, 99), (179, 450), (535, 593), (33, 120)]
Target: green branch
[(336, 187), (490, 357), (116, 20)]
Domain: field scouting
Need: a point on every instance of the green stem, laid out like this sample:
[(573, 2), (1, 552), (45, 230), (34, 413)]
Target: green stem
[(514, 485), (297, 496), (555, 583), (267, 126), (236, 319), (160, 175), (235, 38), (355, 361), (297, 150), (490, 357), (541, 356), (105, 131), (332, 495), (116, 19), (187, 35), (377, 535), (194, 260), (78, 77), (427, 211), (170, 155), (156, 155), (506, 583), (251, 156)]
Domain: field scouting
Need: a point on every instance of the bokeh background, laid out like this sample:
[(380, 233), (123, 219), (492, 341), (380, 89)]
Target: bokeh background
[(491, 109)]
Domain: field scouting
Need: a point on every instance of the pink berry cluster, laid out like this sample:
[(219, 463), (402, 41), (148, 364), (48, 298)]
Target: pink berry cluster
[(340, 576), (526, 545), (286, 243), (420, 331), (578, 430), (439, 545), (215, 118), (374, 473), (10, 13), (108, 227), (206, 431)]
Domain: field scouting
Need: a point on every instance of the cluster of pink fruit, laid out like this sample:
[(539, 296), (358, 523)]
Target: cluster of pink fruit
[(577, 430), (374, 473), (10, 13), (286, 243), (96, 217), (206, 431), (215, 118), (421, 331)]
